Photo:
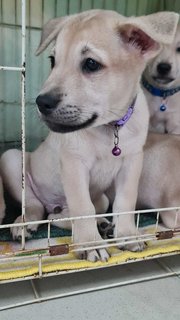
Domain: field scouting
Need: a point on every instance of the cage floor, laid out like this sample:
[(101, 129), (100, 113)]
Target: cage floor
[(148, 300)]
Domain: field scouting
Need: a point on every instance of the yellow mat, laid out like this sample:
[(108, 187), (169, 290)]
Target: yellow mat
[(29, 266)]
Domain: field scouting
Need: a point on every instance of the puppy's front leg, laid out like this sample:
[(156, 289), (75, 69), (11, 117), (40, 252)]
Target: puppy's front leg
[(34, 212), (126, 188), (75, 178)]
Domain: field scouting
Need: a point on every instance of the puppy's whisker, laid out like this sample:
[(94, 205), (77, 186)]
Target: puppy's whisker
[(115, 114)]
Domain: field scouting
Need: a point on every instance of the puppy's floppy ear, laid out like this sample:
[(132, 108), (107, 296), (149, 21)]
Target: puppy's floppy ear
[(52, 28), (146, 33), (50, 32)]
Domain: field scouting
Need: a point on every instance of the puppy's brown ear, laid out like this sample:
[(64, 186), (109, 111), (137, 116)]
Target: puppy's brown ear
[(145, 34), (50, 32)]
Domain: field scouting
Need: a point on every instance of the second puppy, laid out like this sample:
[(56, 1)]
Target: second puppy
[(161, 83), (159, 185)]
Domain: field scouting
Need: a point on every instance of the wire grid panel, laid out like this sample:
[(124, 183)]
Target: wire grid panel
[(23, 252), (22, 70), (50, 253)]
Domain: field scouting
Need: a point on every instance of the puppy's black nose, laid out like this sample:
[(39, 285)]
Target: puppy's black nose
[(47, 103), (163, 68)]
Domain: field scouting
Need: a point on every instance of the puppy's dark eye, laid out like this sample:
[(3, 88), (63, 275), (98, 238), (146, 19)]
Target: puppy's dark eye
[(90, 65), (178, 49), (52, 60)]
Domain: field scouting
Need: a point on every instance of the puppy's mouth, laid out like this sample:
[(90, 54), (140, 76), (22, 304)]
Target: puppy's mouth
[(163, 80), (65, 128)]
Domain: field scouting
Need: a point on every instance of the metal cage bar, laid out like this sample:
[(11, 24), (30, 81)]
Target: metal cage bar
[(23, 130), (158, 234)]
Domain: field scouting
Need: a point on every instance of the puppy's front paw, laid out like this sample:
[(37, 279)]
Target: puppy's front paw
[(134, 247), (106, 228), (127, 236), (17, 231), (94, 255)]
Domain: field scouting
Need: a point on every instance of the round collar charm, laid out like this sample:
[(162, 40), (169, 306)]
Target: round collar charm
[(162, 107), (116, 151)]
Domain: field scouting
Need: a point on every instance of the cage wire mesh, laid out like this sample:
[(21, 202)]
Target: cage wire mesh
[(47, 258)]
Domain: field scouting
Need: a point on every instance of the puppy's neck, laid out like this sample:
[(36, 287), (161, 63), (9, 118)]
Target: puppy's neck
[(159, 92), (116, 151)]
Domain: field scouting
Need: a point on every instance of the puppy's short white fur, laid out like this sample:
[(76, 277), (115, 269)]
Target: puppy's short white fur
[(159, 185), (98, 60), (168, 77)]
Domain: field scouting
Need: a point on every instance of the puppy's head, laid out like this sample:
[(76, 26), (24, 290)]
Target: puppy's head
[(164, 70), (97, 61)]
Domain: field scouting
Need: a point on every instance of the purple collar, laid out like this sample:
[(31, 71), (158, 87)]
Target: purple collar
[(116, 151), (121, 122)]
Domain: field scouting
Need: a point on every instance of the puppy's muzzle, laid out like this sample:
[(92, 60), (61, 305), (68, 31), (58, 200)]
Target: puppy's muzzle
[(47, 103), (163, 68), (63, 117), (163, 73)]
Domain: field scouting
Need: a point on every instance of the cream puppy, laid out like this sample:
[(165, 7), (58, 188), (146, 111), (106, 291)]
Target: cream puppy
[(159, 185), (2, 203), (161, 83), (97, 113)]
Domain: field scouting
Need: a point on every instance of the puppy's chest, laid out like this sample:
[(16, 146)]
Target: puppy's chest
[(167, 119), (103, 172), (162, 108)]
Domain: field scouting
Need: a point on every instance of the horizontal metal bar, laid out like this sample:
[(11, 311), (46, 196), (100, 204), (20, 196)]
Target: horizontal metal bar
[(5, 68), (19, 26), (70, 271), (106, 243), (128, 239), (105, 215)]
